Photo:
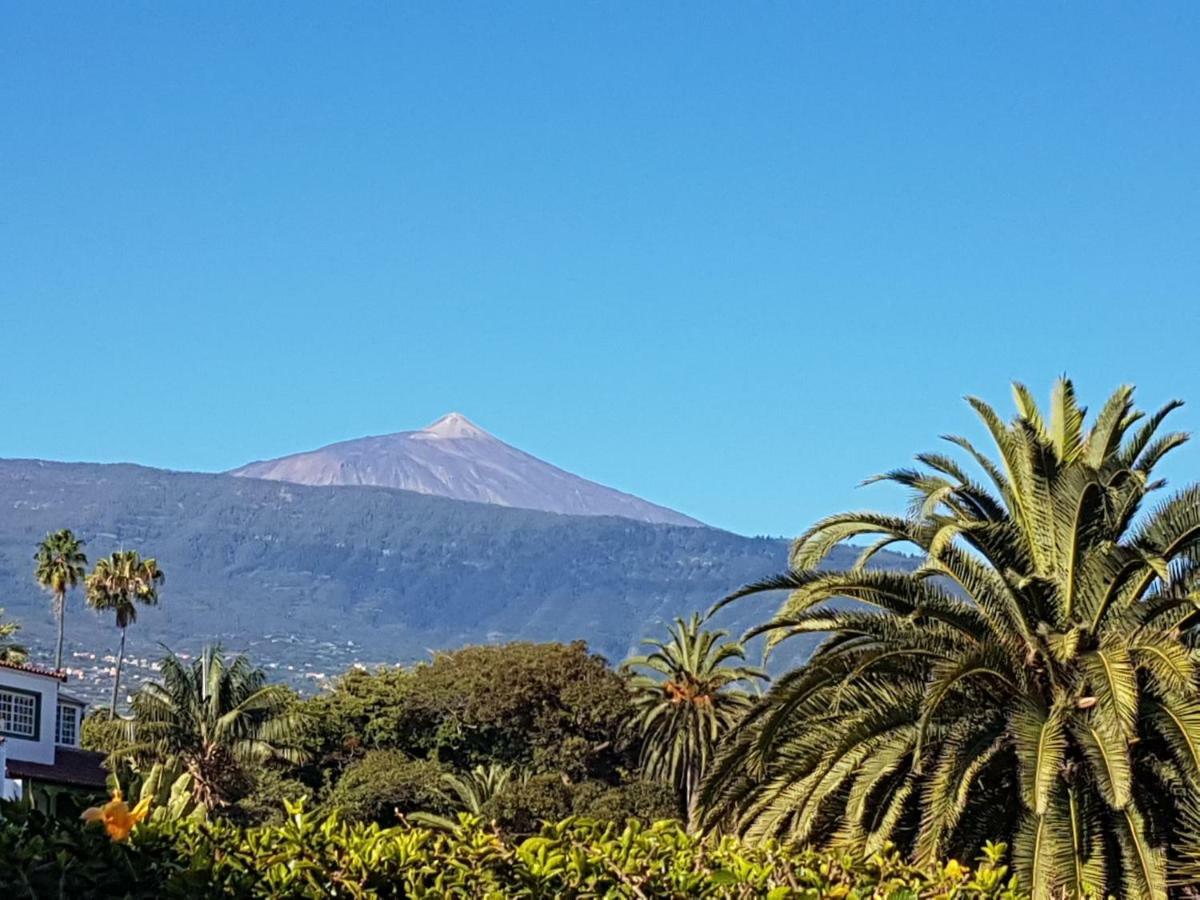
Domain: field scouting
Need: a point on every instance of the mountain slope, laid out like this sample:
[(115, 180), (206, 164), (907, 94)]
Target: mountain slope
[(290, 571), (457, 459)]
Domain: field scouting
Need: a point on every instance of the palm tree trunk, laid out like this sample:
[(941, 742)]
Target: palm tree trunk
[(692, 791), (117, 676), (61, 603)]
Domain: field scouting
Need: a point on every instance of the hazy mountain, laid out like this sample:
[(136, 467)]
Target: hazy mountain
[(457, 459), (313, 578)]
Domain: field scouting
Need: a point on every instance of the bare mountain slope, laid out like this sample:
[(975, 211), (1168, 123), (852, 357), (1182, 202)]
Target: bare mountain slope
[(457, 459)]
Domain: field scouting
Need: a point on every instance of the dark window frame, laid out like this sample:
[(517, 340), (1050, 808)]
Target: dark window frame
[(37, 714), (58, 720)]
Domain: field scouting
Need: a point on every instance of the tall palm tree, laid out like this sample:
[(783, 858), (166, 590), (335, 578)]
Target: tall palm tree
[(1033, 679), (60, 566), (10, 652), (685, 702), (118, 584), (215, 716)]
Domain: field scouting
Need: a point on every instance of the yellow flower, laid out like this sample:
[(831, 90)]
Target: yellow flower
[(116, 815), (955, 871)]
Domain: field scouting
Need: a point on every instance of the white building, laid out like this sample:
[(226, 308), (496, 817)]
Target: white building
[(40, 724)]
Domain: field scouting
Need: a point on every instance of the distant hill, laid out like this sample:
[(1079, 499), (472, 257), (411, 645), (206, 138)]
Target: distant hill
[(314, 578), (455, 458)]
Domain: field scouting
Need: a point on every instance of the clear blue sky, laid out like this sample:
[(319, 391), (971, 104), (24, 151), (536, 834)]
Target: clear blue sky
[(730, 257)]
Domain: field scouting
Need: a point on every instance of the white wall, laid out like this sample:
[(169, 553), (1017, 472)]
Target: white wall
[(9, 789), (41, 750)]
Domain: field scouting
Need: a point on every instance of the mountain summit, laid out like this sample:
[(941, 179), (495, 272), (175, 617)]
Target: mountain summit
[(454, 425), (456, 458)]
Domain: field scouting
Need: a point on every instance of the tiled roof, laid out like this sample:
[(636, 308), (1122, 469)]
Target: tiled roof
[(78, 768), (35, 670)]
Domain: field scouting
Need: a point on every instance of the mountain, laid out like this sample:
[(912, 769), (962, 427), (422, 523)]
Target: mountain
[(455, 458), (311, 579)]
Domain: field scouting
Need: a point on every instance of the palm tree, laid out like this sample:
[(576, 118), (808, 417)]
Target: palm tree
[(1032, 679), (469, 793), (10, 652), (118, 584), (473, 790), (215, 716), (61, 564), (684, 704)]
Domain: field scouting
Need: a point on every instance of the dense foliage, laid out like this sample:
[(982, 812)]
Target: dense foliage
[(310, 857), (10, 651), (385, 784), (1033, 681), (541, 707)]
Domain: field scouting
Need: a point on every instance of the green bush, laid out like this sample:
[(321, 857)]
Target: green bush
[(523, 804), (270, 789), (385, 783), (311, 857), (537, 707), (102, 733), (646, 800)]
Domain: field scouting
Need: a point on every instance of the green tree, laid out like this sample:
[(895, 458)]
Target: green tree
[(685, 700), (270, 788), (59, 566), (385, 784), (522, 805), (1034, 678), (118, 584), (10, 652), (542, 707), (218, 717)]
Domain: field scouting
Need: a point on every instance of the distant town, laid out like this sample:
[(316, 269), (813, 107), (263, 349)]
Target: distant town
[(302, 663)]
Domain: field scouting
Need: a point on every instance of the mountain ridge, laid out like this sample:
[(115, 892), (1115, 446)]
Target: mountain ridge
[(455, 458), (288, 571)]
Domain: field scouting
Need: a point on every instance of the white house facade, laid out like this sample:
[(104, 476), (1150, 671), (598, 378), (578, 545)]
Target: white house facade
[(40, 725)]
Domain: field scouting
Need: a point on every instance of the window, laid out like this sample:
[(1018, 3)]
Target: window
[(66, 725), (19, 713)]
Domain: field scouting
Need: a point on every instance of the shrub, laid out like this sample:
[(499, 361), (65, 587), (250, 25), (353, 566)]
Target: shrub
[(270, 789), (646, 800), (523, 804), (384, 783), (311, 857), (102, 733), (537, 707)]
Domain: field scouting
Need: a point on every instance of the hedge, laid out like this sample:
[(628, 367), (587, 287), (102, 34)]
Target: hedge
[(309, 857)]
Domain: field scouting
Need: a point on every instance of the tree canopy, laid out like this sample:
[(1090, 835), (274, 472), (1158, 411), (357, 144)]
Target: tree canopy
[(541, 707)]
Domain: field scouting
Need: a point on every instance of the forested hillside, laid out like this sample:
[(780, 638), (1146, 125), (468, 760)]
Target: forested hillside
[(394, 572)]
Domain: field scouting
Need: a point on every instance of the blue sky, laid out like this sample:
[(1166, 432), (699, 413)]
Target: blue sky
[(730, 257)]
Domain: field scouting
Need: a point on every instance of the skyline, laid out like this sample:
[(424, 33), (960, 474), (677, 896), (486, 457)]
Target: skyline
[(732, 262)]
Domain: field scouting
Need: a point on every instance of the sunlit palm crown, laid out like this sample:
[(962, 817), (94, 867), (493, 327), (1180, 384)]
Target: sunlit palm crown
[(1033, 680), (121, 581), (685, 701), (60, 562)]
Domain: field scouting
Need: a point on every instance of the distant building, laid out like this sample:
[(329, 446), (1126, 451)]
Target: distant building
[(40, 724)]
